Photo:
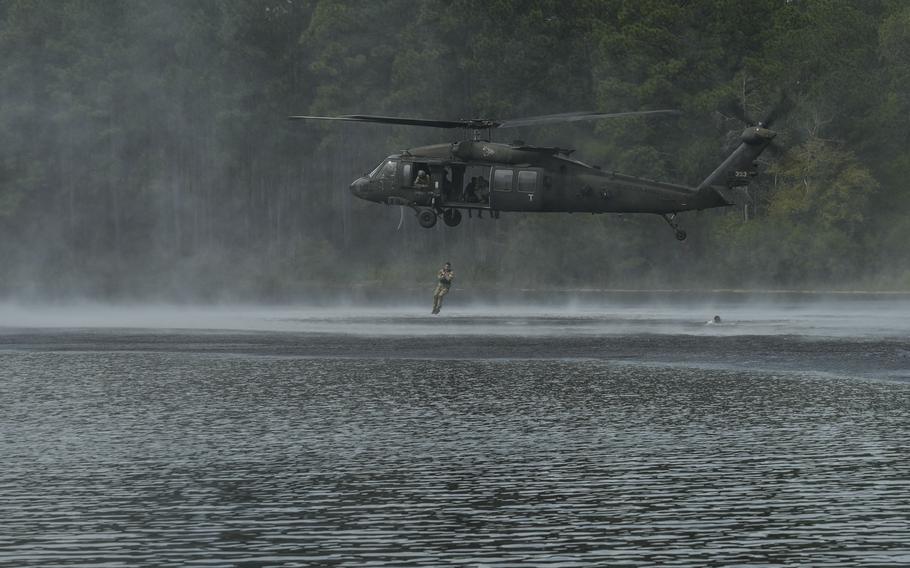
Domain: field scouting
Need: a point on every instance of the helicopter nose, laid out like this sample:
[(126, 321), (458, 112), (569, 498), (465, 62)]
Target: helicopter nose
[(360, 187)]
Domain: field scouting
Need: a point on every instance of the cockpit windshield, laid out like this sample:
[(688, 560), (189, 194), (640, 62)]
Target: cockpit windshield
[(385, 168), (376, 170)]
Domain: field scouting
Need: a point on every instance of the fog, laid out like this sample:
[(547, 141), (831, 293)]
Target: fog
[(802, 317), (145, 156)]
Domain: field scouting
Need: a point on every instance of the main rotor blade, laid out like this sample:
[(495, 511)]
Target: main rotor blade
[(391, 120), (734, 108), (783, 107), (485, 123), (576, 116)]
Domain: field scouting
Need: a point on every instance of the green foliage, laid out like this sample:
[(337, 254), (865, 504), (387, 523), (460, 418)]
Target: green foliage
[(824, 185), (144, 151)]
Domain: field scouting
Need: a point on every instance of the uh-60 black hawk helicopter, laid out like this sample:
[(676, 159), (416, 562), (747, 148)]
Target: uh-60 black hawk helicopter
[(481, 175)]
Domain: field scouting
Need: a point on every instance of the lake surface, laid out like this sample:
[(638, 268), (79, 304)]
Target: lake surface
[(621, 435)]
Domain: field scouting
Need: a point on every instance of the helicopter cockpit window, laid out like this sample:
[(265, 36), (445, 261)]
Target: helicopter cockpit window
[(384, 170), (502, 180), (388, 170), (375, 171), (527, 181)]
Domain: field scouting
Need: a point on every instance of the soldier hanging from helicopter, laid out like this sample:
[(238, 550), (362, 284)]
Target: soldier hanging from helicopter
[(444, 279)]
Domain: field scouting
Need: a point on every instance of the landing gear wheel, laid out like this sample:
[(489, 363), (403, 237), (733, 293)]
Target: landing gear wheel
[(426, 218), (451, 217), (670, 218)]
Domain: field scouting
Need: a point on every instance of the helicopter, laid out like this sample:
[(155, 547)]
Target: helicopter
[(477, 174)]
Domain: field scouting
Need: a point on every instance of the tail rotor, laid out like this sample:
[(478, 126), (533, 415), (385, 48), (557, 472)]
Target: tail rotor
[(740, 166)]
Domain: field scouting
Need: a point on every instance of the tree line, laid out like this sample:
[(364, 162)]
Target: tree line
[(145, 151)]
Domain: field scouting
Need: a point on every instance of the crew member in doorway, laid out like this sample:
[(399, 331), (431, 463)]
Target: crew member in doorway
[(447, 184), (483, 189), (444, 281), (422, 181), (470, 191)]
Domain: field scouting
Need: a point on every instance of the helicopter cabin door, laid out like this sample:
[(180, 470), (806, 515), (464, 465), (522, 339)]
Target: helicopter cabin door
[(516, 189)]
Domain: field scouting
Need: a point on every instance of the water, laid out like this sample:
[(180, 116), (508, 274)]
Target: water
[(573, 438)]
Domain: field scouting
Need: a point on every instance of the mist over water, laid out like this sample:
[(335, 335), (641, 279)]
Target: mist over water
[(560, 314)]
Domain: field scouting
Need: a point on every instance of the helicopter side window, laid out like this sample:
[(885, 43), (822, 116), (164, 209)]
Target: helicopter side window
[(527, 181), (407, 173), (502, 180)]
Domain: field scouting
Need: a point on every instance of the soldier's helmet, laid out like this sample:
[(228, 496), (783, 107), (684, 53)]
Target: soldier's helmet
[(421, 173)]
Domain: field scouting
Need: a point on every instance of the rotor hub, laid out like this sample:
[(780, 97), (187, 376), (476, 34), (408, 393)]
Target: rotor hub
[(757, 135)]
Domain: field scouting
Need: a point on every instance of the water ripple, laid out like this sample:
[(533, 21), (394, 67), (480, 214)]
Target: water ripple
[(128, 459)]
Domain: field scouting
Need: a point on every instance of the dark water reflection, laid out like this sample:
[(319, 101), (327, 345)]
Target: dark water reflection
[(212, 459)]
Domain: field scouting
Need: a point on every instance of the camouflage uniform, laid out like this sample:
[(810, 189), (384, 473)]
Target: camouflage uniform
[(445, 278)]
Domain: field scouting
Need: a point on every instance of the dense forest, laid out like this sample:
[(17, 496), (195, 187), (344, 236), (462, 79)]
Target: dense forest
[(145, 151)]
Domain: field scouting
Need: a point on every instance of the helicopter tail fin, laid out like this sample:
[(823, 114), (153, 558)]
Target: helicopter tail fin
[(739, 167)]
